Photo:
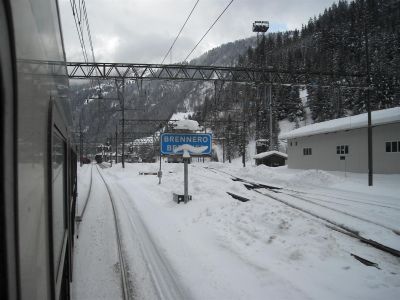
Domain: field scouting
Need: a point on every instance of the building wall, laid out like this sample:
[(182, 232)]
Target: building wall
[(324, 156)]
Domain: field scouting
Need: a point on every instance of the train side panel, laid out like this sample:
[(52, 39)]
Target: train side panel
[(41, 207)]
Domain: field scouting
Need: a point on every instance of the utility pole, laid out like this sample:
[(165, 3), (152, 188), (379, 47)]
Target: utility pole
[(80, 140), (370, 160), (123, 123), (229, 147), (244, 132), (80, 145), (261, 27), (223, 148), (271, 142), (121, 98), (116, 144), (244, 144)]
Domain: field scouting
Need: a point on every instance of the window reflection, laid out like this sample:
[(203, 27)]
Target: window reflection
[(58, 199)]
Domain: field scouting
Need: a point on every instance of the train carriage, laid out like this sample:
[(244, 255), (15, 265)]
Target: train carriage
[(38, 165)]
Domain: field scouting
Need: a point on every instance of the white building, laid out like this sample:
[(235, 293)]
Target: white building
[(342, 144)]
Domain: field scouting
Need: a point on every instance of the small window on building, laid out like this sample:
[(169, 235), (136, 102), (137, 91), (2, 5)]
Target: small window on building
[(295, 143), (393, 146), (290, 144), (388, 147), (307, 151), (342, 149)]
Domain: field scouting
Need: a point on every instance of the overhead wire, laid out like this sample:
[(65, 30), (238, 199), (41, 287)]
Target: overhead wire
[(212, 25), (80, 15), (88, 29), (79, 12), (81, 38), (180, 31), (90, 38)]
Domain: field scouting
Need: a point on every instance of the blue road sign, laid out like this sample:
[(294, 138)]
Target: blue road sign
[(195, 143)]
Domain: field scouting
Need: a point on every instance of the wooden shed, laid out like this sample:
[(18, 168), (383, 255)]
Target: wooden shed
[(271, 158)]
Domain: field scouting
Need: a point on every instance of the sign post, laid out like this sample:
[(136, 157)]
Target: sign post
[(187, 145), (186, 159)]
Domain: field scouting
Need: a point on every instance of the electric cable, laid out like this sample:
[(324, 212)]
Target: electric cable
[(80, 15), (187, 19), (90, 38), (190, 53), (81, 41)]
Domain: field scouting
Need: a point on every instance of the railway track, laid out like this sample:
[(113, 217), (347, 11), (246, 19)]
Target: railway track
[(317, 196), (157, 273), (273, 193), (306, 199), (123, 270)]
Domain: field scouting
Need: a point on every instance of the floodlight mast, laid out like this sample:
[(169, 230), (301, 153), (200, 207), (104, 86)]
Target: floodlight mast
[(261, 27)]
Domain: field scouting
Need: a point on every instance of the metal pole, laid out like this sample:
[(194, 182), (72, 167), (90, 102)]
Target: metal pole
[(271, 142), (116, 144), (229, 147), (109, 152), (370, 163), (186, 180), (205, 131), (244, 145), (80, 146), (223, 149), (123, 123), (160, 172)]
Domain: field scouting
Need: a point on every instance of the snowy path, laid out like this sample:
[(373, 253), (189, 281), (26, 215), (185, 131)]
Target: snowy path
[(96, 273)]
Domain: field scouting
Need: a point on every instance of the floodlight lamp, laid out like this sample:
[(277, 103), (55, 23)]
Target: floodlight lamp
[(260, 26)]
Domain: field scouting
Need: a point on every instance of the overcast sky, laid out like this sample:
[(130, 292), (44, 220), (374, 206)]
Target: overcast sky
[(142, 31)]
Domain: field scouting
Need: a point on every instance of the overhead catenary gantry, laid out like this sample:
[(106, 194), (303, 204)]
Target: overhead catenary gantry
[(184, 72)]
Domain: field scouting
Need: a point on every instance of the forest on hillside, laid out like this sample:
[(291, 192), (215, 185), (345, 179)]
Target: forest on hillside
[(336, 41)]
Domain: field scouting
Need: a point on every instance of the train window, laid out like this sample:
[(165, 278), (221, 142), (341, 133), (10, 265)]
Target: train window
[(59, 199)]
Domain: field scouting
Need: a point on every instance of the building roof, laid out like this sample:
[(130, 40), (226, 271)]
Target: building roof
[(379, 117), (269, 153)]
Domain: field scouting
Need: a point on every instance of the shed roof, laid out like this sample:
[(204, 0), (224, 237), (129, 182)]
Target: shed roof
[(269, 153), (379, 117)]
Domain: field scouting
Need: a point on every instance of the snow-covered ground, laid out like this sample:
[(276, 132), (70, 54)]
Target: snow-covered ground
[(96, 266), (216, 247)]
